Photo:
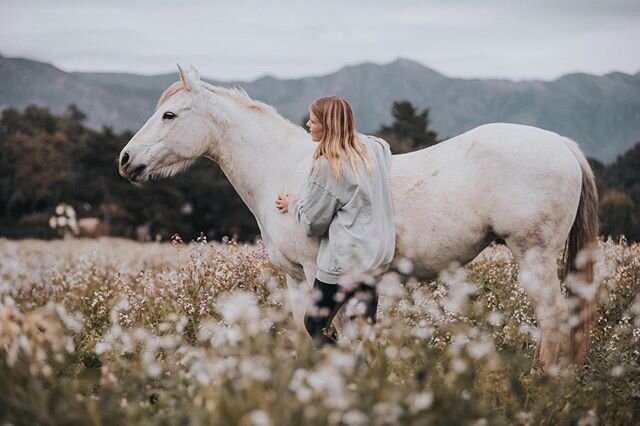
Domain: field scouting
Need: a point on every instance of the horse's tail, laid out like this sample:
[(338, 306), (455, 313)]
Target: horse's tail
[(578, 258)]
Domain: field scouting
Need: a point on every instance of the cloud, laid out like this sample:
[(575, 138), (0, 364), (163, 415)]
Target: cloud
[(245, 39)]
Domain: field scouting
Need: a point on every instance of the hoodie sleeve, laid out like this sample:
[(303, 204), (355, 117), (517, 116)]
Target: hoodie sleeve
[(315, 209)]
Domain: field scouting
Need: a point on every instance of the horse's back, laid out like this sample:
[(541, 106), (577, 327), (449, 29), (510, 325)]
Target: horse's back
[(490, 157), (503, 142), (491, 180)]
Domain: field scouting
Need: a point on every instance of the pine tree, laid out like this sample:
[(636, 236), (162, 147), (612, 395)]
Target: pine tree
[(410, 129)]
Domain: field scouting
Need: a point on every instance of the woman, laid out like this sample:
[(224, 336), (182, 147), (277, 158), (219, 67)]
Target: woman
[(347, 204)]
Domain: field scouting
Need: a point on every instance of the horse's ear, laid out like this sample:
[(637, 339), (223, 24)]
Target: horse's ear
[(190, 79)]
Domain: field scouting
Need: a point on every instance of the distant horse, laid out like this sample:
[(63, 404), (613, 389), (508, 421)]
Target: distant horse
[(530, 187)]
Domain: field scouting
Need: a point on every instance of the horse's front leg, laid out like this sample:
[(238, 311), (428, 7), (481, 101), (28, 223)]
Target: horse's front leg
[(299, 299)]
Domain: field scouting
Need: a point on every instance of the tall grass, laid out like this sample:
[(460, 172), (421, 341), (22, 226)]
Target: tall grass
[(115, 332)]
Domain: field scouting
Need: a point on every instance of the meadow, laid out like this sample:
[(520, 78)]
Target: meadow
[(111, 331)]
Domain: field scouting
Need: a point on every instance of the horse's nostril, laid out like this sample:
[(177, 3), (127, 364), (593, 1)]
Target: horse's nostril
[(124, 160)]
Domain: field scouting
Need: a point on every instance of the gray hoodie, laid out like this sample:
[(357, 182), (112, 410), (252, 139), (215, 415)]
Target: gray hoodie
[(353, 217)]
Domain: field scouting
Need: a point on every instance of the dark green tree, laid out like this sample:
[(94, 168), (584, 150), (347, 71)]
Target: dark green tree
[(37, 152), (49, 159), (620, 195), (409, 130), (99, 186), (619, 216), (624, 173)]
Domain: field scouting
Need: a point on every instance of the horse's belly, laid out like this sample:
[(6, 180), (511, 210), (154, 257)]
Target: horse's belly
[(432, 240)]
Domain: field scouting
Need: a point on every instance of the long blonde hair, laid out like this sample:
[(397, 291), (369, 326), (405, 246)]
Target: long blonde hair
[(340, 138)]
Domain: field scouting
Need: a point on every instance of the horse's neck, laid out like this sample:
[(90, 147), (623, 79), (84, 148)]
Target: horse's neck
[(259, 156)]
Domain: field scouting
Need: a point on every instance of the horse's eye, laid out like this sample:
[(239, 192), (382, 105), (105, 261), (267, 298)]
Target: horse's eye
[(168, 115)]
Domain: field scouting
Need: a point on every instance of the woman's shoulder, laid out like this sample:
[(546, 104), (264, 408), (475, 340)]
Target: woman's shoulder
[(320, 170), (320, 163), (323, 175), (376, 140)]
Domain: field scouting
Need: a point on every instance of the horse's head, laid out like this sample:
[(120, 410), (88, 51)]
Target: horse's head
[(173, 137)]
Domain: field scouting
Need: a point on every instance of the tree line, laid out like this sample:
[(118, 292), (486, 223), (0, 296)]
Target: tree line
[(47, 159)]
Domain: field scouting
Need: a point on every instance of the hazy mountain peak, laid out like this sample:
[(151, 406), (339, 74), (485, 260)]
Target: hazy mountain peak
[(617, 74), (601, 113), (575, 76), (409, 65), (405, 62), (267, 78)]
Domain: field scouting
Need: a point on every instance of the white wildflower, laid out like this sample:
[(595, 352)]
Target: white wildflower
[(458, 365), (355, 418), (386, 413), (405, 266), (239, 306), (495, 318), (479, 349), (342, 360), (420, 401), (422, 331), (304, 394), (260, 418), (101, 347), (390, 286), (391, 352), (590, 418), (617, 371), (256, 368), (153, 369)]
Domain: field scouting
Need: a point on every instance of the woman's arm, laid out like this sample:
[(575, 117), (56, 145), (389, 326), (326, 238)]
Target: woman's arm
[(315, 209)]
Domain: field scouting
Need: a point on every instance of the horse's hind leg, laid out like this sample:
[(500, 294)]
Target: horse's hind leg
[(538, 276)]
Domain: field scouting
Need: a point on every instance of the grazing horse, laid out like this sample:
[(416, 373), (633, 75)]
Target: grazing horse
[(530, 187)]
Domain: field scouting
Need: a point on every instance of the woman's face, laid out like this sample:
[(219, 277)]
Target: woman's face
[(315, 127)]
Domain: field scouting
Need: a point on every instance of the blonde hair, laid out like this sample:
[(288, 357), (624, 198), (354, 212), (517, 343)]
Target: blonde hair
[(340, 138)]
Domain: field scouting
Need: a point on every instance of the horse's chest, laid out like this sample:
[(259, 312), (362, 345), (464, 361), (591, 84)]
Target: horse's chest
[(285, 257)]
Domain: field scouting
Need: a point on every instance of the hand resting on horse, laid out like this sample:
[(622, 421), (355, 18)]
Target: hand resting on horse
[(282, 202)]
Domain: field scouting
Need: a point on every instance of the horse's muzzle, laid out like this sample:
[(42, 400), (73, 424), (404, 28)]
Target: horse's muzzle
[(132, 172)]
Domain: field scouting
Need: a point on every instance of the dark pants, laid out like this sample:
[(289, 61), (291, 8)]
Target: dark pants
[(328, 302)]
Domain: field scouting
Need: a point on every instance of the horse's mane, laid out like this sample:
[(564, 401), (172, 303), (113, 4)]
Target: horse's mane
[(237, 94)]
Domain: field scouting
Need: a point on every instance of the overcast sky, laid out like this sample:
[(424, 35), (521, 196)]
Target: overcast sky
[(246, 39)]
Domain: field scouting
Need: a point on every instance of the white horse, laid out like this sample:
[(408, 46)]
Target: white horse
[(528, 186)]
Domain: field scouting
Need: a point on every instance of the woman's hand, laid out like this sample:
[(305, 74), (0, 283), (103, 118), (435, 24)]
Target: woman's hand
[(282, 202)]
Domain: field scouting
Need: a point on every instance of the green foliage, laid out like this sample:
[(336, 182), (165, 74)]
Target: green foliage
[(34, 150), (619, 215), (619, 190), (48, 159), (626, 171)]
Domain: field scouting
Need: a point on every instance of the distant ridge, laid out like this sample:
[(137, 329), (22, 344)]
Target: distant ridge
[(602, 113)]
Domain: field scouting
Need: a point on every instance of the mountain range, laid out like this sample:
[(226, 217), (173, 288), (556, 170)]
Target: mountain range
[(602, 113)]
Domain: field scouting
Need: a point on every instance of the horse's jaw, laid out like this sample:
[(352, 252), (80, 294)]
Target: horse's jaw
[(161, 171), (170, 170)]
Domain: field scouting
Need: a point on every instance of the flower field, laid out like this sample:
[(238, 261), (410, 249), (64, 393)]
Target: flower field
[(115, 332)]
